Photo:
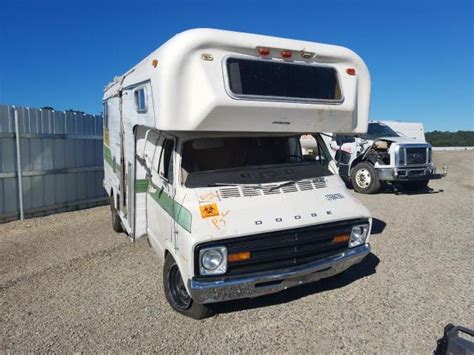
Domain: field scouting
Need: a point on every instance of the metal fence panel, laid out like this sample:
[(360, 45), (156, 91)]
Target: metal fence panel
[(61, 161)]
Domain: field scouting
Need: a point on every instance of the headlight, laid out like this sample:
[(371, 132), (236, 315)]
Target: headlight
[(359, 235), (213, 261)]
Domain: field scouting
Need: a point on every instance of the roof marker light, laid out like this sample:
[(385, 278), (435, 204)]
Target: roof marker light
[(306, 55), (286, 54), (263, 51), (207, 56), (154, 63), (351, 71)]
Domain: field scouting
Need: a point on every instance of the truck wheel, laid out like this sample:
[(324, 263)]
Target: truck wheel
[(177, 295), (116, 224), (364, 178)]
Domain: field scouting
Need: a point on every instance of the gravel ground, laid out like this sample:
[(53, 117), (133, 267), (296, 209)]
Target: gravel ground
[(69, 283)]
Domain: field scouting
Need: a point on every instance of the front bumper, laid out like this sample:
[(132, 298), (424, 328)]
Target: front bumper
[(249, 286), (408, 174)]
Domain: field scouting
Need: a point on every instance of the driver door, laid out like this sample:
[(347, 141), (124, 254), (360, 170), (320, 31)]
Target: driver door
[(161, 191)]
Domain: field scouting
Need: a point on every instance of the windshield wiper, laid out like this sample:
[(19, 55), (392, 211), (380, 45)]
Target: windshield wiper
[(283, 184)]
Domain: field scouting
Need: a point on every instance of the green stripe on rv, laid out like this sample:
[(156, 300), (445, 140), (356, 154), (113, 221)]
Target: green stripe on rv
[(110, 160), (178, 212), (141, 185), (108, 156)]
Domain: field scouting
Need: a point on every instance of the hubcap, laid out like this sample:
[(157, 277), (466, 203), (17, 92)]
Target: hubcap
[(363, 178), (175, 282)]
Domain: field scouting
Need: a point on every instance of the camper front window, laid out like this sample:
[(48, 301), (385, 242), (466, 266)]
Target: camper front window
[(247, 160)]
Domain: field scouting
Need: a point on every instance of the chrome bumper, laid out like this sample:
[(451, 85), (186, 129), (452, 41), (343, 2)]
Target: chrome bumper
[(203, 291), (407, 174)]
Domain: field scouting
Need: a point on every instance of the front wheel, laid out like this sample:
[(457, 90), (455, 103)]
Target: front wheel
[(177, 295), (364, 178)]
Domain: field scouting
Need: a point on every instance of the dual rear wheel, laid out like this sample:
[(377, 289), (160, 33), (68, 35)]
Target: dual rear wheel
[(116, 223)]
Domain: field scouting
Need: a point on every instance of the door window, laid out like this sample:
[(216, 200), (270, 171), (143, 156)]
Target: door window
[(150, 147), (166, 161)]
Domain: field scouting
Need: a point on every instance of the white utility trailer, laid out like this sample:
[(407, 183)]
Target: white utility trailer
[(202, 156)]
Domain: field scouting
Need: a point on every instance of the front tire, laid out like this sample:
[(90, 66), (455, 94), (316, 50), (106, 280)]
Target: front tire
[(364, 178), (177, 295)]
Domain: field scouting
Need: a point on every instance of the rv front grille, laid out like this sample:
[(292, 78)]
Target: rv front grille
[(282, 249)]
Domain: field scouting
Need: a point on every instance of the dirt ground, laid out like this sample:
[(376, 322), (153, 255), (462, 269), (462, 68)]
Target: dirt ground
[(69, 283)]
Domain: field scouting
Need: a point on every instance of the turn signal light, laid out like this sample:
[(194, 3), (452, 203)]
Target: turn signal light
[(339, 239), (286, 54), (238, 256)]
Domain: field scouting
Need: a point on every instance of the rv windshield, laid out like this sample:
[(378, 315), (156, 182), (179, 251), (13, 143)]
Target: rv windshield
[(377, 130), (248, 160)]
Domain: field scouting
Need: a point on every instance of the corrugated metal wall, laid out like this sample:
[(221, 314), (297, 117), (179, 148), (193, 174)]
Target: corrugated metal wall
[(61, 161)]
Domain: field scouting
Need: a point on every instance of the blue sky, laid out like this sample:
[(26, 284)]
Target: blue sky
[(420, 53)]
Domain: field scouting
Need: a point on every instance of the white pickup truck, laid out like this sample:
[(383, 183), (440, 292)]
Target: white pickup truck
[(382, 155)]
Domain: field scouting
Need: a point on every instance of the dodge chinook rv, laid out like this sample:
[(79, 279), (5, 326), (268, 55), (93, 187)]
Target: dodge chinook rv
[(202, 156)]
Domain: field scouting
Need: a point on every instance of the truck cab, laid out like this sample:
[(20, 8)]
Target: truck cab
[(383, 156)]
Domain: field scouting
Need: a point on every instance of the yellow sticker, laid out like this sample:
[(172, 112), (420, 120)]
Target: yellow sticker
[(209, 210), (106, 137)]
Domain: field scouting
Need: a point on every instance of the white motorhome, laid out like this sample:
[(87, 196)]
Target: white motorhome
[(202, 156)]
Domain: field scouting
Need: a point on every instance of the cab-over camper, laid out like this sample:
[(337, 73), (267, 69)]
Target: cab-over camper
[(202, 157)]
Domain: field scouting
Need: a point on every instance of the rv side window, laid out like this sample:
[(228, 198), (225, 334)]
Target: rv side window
[(140, 100), (166, 161)]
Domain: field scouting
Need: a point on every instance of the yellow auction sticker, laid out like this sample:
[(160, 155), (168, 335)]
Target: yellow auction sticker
[(210, 210)]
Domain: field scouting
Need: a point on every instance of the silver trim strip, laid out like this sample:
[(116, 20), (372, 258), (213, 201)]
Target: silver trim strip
[(52, 171), (50, 136)]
